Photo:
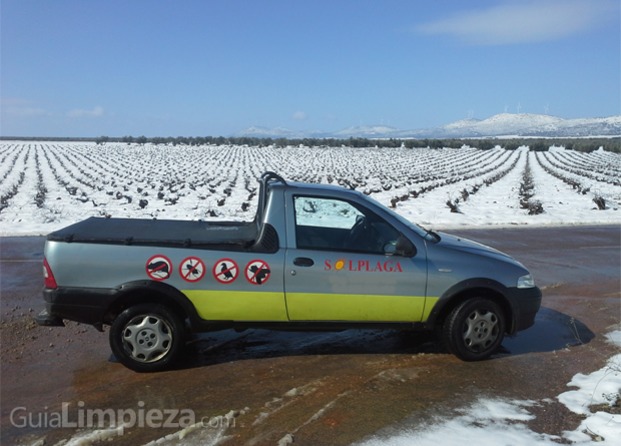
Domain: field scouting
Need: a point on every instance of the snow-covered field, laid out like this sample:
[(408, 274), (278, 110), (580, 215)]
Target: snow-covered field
[(47, 185)]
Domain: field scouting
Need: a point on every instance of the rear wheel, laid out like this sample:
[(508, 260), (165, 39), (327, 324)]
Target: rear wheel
[(147, 337), (474, 329)]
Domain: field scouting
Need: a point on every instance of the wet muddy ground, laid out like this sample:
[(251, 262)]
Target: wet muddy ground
[(261, 387)]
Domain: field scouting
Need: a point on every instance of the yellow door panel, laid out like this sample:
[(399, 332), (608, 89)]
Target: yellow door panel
[(238, 305), (354, 307)]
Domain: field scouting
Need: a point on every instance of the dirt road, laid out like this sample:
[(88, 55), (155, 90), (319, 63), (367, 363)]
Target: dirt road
[(261, 387)]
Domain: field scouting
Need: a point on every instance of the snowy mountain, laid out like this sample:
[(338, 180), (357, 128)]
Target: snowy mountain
[(367, 131), (501, 125), (264, 132), (525, 124)]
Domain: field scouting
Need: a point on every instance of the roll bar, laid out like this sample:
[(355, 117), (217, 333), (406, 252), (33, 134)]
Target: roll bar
[(264, 181), (269, 175)]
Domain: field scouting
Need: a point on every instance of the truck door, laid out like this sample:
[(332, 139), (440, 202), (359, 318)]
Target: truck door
[(341, 269)]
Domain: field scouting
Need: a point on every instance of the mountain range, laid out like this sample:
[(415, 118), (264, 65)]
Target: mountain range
[(501, 125)]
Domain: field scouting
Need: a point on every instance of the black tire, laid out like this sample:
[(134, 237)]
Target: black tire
[(147, 337), (474, 329)]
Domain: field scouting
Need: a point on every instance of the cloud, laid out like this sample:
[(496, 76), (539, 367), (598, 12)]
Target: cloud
[(523, 22), (79, 113), (22, 108), (299, 116)]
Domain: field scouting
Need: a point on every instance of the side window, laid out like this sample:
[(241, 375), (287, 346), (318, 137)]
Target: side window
[(337, 225), (325, 212)]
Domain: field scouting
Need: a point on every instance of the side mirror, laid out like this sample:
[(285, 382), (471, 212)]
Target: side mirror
[(402, 247)]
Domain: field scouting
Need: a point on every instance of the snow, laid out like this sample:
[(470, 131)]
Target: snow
[(372, 131), (531, 124), (89, 437), (219, 182), (496, 421), (207, 432), (508, 123), (486, 422), (501, 125)]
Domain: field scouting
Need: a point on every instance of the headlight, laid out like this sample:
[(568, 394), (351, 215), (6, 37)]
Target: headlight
[(526, 281)]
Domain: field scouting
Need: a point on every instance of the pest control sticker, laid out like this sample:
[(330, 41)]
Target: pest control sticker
[(258, 272), (159, 267), (225, 271), (192, 269)]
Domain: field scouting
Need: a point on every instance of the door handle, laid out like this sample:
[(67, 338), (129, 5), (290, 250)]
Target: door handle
[(303, 261)]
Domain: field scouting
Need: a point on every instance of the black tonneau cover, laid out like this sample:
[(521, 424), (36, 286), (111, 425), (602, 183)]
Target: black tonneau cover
[(131, 231), (220, 235)]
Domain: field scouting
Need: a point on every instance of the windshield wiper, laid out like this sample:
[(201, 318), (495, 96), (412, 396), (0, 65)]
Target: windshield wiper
[(433, 234)]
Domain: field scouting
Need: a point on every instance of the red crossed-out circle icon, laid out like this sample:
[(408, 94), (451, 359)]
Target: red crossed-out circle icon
[(257, 272), (192, 269), (225, 271), (159, 267)]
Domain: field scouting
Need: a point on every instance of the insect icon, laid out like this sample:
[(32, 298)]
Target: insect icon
[(192, 269)]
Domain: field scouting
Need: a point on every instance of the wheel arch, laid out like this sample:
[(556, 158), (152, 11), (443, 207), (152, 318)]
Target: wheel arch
[(146, 291), (465, 290)]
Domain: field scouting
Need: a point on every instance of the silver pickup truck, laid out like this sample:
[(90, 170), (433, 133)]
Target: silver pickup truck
[(315, 257)]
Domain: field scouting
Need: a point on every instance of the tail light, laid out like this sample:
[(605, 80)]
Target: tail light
[(48, 276)]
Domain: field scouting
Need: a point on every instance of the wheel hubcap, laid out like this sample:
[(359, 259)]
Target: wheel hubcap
[(147, 338), (480, 330)]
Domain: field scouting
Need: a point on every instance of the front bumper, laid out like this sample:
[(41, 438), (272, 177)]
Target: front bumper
[(525, 303)]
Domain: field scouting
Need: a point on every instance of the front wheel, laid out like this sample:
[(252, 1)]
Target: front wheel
[(474, 329), (146, 337)]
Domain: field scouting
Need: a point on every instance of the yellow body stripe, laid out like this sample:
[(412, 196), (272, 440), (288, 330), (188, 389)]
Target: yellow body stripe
[(270, 306), (354, 307), (430, 302), (238, 305)]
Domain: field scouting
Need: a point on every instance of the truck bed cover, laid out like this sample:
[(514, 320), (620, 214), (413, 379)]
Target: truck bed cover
[(129, 231)]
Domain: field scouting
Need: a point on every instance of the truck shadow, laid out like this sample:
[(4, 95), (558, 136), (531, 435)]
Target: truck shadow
[(552, 331)]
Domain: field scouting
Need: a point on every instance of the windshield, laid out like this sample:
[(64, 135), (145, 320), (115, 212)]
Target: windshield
[(425, 233)]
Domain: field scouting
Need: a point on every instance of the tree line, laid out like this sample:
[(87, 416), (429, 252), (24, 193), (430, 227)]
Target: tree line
[(536, 144)]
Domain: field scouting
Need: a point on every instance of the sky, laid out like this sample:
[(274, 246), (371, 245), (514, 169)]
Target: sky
[(215, 68)]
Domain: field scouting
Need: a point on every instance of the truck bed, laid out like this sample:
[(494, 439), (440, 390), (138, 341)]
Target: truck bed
[(142, 232)]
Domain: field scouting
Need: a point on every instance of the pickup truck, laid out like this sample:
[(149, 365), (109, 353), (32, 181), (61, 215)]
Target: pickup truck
[(315, 257)]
